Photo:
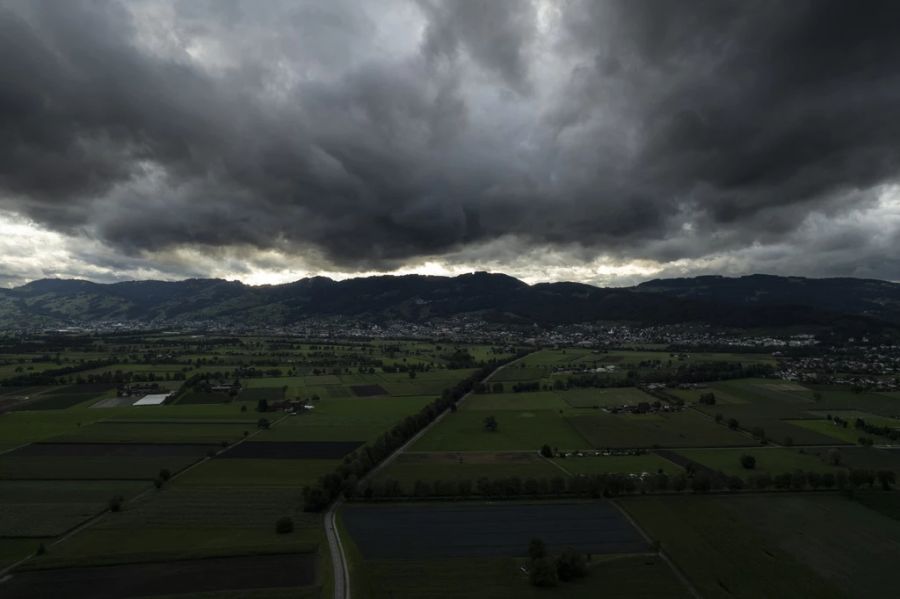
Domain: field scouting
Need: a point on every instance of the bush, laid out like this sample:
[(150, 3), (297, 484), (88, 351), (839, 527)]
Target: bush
[(570, 565), (165, 474), (543, 573), (284, 526), (748, 461), (115, 503)]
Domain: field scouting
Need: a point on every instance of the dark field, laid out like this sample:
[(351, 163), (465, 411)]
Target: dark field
[(289, 450), (459, 530), (109, 450), (163, 578), (368, 390)]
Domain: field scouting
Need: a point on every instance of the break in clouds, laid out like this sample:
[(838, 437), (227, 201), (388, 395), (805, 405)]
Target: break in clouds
[(603, 141)]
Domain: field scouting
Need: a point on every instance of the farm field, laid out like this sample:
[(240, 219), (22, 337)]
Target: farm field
[(517, 430), (198, 483), (771, 545), (185, 498), (443, 562), (679, 429), (636, 577), (460, 530), (769, 460), (433, 466), (615, 464)]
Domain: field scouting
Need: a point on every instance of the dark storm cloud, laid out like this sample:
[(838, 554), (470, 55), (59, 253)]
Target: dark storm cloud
[(367, 135)]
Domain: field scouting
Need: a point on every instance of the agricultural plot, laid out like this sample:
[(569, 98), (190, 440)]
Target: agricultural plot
[(679, 429), (458, 530), (843, 398), (447, 466), (769, 460), (613, 464), (258, 472), (352, 419), (367, 390), (600, 398), (635, 577), (522, 373), (540, 400), (164, 578), (159, 431), (770, 546), (861, 458), (201, 397), (517, 430), (292, 450), (60, 398), (836, 433)]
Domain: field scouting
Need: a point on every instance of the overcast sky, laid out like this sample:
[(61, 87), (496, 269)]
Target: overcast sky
[(601, 141)]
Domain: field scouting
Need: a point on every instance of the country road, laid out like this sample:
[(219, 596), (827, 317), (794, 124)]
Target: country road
[(338, 558)]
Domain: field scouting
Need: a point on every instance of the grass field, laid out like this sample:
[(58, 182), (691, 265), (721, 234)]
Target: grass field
[(410, 467), (541, 400), (770, 460), (517, 430), (826, 427), (501, 578), (615, 396), (680, 429), (90, 468), (637, 464), (250, 472), (772, 545)]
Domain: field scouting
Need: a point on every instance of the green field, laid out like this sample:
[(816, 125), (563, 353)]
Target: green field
[(772, 545), (500, 578), (679, 429), (410, 467), (517, 430), (769, 460), (258, 472), (637, 464)]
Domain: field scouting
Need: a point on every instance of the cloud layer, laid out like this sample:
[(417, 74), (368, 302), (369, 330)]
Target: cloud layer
[(604, 141)]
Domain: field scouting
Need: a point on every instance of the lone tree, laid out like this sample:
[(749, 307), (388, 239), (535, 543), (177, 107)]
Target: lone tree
[(491, 424), (262, 423), (748, 461), (546, 451)]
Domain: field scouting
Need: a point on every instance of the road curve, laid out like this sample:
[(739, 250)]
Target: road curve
[(338, 559)]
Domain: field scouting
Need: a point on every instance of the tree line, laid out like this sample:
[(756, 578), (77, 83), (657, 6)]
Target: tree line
[(345, 478), (613, 485)]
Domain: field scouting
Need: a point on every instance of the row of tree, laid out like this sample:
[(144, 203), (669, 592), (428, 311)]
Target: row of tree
[(612, 485), (355, 466)]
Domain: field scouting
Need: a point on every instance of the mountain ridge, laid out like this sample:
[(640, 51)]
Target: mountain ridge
[(763, 300)]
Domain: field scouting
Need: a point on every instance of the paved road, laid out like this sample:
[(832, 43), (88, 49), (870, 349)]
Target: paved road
[(338, 559)]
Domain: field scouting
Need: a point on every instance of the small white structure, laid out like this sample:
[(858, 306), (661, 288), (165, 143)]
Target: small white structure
[(152, 400)]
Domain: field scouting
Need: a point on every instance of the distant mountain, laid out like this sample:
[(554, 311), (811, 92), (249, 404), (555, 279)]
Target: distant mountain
[(754, 301), (861, 297)]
